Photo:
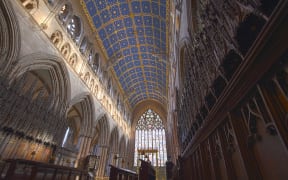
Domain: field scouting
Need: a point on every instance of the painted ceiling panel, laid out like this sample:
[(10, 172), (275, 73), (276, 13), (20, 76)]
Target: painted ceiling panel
[(133, 36)]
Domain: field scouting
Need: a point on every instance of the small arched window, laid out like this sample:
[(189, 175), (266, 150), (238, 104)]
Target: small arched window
[(74, 27), (65, 12)]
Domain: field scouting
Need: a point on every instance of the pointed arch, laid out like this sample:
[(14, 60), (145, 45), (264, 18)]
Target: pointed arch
[(87, 112), (61, 88), (144, 106), (150, 139), (105, 129), (114, 140), (122, 146), (10, 36)]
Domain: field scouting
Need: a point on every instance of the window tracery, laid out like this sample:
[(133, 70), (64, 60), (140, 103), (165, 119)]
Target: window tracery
[(150, 140)]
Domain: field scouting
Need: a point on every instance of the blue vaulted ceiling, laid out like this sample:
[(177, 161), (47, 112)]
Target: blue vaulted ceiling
[(133, 36)]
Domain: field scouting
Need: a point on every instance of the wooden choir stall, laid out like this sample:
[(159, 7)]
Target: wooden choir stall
[(122, 174), (146, 171)]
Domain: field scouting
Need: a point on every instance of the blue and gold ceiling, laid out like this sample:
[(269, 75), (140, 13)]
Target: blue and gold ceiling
[(133, 36)]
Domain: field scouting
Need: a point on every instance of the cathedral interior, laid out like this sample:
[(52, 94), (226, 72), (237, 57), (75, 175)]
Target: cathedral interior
[(94, 89)]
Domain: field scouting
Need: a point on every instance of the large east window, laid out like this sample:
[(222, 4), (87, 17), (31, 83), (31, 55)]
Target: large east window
[(150, 140)]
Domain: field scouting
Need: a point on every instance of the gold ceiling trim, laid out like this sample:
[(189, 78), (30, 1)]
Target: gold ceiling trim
[(103, 51), (102, 48)]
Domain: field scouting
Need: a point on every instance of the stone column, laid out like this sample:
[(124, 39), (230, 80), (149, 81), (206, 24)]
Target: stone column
[(85, 142), (102, 160)]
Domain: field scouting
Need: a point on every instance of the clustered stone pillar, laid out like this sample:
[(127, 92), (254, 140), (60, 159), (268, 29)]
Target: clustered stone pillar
[(84, 147), (102, 160)]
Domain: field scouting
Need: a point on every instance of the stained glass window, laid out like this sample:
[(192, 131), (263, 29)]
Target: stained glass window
[(150, 139)]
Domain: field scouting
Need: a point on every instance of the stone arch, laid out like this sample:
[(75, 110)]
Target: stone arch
[(143, 107), (10, 36), (56, 68), (105, 129), (84, 103), (122, 146), (73, 60), (40, 112), (96, 136), (30, 5), (57, 38), (65, 50), (122, 151), (114, 140), (113, 147)]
